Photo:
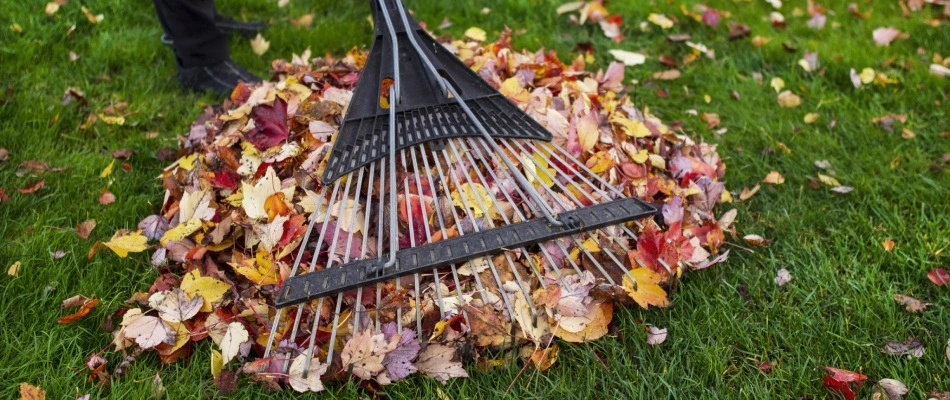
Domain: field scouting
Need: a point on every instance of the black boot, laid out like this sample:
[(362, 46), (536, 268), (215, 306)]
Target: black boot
[(228, 25), (220, 78)]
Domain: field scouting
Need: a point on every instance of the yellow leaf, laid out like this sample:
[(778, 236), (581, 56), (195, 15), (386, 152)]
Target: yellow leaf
[(600, 317), (470, 191), (707, 98), (788, 99), (632, 127), (255, 196), (544, 358), (14, 269), (475, 34), (537, 164), (828, 180), (647, 292), (661, 20), (133, 242), (210, 289), (641, 157), (259, 45), (30, 392), (760, 41), (438, 330), (181, 231), (259, 269), (811, 117), (187, 163), (112, 119), (590, 245), (888, 245), (600, 162), (867, 75), (774, 178), (108, 171), (217, 363), (513, 90), (777, 84)]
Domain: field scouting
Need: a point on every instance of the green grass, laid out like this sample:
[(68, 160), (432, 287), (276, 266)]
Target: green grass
[(838, 309)]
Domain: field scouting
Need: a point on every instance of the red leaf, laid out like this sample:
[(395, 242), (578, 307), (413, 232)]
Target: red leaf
[(711, 17), (939, 276), (840, 382), (36, 186), (270, 125), (79, 314)]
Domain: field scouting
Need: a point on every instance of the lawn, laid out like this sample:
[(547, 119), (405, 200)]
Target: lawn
[(838, 309)]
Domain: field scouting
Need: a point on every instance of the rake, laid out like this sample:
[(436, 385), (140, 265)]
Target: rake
[(435, 186)]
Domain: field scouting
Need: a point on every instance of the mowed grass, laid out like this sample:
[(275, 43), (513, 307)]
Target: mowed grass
[(838, 310)]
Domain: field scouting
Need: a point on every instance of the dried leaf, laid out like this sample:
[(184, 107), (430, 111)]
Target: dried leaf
[(756, 240), (911, 347), (364, 353), (774, 178), (259, 45), (475, 33), (175, 305), (656, 336), (788, 99), (910, 304), (210, 289), (783, 277), (888, 245), (436, 361), (884, 36), (14, 269), (628, 58), (315, 370), (149, 331), (83, 229), (30, 392), (660, 20), (106, 197), (645, 291), (123, 244), (889, 389), (840, 381), (232, 340)]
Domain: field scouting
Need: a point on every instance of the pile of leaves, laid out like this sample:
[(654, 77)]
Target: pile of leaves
[(242, 188)]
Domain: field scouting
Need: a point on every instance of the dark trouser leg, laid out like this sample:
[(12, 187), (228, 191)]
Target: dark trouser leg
[(190, 23)]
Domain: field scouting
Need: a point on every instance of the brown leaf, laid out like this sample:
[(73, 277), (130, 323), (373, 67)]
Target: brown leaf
[(738, 31), (911, 304), (667, 75), (436, 361), (122, 154), (75, 301), (891, 389), (911, 347), (83, 229), (30, 392), (788, 99), (543, 359), (756, 240), (748, 193), (86, 307)]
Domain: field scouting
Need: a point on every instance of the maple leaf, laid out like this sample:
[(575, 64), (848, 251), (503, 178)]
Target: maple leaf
[(475, 33), (210, 289), (175, 305), (646, 291), (124, 243), (149, 331), (259, 45), (544, 358), (83, 229), (911, 304), (270, 125), (595, 324), (310, 383), (436, 361), (153, 226), (840, 382), (230, 344), (398, 362), (364, 353)]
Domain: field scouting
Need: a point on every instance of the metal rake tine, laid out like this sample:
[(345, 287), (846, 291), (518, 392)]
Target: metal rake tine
[(313, 337), (441, 223), (293, 271), (478, 280), (412, 240), (514, 271), (521, 214), (425, 225), (366, 214), (491, 265), (379, 236)]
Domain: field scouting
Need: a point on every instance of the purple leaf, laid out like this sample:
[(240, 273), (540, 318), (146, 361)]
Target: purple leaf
[(154, 226), (673, 211), (270, 125), (399, 361)]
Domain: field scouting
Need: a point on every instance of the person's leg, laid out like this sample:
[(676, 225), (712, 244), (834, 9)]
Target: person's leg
[(201, 49)]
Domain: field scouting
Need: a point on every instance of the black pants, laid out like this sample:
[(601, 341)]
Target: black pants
[(190, 23)]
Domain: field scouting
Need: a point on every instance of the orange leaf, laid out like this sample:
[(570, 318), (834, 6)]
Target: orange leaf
[(30, 392), (79, 314), (36, 186)]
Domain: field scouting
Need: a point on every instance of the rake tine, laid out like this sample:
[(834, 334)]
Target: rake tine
[(441, 222), (412, 240), (468, 213), (366, 213), (425, 216), (379, 237), (514, 271)]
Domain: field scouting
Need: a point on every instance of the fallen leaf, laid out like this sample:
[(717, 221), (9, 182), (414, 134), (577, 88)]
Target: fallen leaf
[(475, 33), (748, 193), (149, 331), (646, 291), (30, 392), (83, 229), (656, 336), (210, 289), (911, 347), (232, 340), (217, 363), (828, 180), (175, 305), (315, 370), (399, 361), (259, 45), (756, 240), (782, 277), (543, 359), (811, 117), (774, 178), (30, 189), (93, 19), (124, 243), (840, 382), (788, 99), (14, 269), (437, 361), (364, 353), (884, 36), (667, 75), (628, 58), (911, 304), (778, 84), (56, 255), (842, 189), (660, 20), (106, 197), (938, 276), (107, 170), (888, 245), (889, 389), (157, 388)]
